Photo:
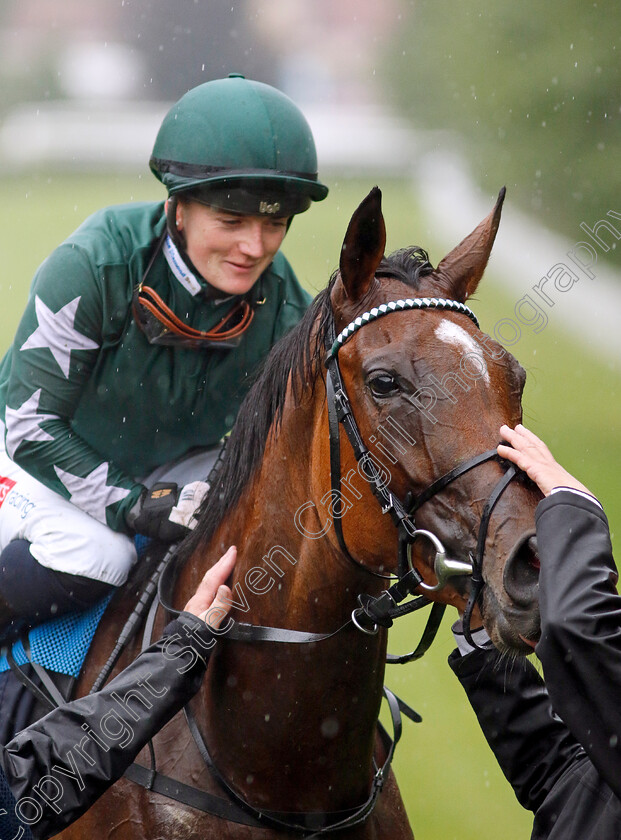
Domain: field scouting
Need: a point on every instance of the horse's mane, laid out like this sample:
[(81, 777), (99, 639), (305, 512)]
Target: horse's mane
[(296, 359)]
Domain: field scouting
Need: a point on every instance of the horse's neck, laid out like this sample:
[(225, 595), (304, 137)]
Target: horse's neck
[(310, 708), (284, 576)]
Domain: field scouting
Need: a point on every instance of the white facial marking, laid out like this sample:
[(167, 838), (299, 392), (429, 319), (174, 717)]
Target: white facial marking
[(457, 336)]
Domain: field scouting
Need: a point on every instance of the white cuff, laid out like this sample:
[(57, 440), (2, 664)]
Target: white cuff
[(479, 637), (584, 495)]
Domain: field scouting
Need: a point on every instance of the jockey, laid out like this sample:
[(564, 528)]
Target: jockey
[(138, 343)]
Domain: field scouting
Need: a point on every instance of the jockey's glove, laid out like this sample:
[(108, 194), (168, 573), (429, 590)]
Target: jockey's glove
[(166, 513)]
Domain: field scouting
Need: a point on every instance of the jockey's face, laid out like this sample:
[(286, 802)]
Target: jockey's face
[(230, 250)]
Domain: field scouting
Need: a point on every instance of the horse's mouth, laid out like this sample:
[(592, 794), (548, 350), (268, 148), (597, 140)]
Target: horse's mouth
[(515, 630)]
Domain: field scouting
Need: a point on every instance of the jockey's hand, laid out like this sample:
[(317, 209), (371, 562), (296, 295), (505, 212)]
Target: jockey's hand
[(531, 454), (212, 600), (166, 513)]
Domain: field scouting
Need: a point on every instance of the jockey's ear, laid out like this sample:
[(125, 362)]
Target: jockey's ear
[(363, 246), (458, 274)]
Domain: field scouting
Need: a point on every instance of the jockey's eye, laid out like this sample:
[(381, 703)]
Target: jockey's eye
[(383, 385)]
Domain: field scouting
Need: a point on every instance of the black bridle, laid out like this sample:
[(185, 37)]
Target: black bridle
[(372, 612), (382, 610)]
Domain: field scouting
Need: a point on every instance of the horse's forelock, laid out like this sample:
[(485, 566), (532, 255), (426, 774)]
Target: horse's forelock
[(407, 264)]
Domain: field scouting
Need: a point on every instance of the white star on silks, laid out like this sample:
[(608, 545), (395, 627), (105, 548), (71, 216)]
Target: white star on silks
[(91, 493), (24, 423), (57, 333)]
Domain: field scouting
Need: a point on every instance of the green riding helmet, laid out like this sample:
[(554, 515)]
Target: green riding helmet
[(239, 145)]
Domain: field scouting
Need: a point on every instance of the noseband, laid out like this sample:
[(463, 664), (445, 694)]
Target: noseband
[(381, 611)]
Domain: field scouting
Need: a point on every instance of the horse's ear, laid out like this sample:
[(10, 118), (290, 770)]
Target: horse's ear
[(363, 246), (461, 270)]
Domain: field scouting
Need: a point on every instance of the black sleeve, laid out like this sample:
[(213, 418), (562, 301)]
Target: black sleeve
[(531, 744), (580, 646), (66, 760), (548, 770)]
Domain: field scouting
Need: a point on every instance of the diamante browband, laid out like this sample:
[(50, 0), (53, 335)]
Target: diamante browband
[(399, 306)]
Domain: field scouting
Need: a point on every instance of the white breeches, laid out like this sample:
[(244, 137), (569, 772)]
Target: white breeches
[(67, 539)]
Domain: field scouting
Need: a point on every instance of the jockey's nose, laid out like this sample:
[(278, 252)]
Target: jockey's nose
[(252, 243)]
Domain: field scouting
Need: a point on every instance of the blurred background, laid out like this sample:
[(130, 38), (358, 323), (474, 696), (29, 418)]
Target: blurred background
[(440, 104)]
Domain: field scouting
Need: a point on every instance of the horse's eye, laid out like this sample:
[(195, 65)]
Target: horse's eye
[(383, 385)]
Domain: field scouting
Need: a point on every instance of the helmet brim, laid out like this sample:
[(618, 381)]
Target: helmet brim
[(245, 191)]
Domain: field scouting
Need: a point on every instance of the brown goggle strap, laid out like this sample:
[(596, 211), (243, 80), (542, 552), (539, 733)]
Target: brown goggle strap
[(240, 315)]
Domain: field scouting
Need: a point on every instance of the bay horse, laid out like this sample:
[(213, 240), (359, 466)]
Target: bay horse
[(292, 727)]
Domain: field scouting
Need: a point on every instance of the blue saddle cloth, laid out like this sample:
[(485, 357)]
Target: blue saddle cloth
[(61, 644)]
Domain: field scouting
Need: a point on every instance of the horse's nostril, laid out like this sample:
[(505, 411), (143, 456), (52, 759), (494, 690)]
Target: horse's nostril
[(534, 556), (521, 573)]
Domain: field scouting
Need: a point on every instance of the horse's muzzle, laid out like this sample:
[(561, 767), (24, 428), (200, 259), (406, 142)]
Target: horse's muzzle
[(521, 583)]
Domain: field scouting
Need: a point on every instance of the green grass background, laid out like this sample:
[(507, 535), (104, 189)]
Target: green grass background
[(450, 781)]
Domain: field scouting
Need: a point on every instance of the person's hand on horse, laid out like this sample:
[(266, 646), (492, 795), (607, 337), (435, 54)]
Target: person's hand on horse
[(212, 600), (167, 513), (530, 454)]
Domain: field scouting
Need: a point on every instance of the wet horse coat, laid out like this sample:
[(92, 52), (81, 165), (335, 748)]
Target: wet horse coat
[(292, 728)]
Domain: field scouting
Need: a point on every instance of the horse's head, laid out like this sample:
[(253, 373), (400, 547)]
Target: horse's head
[(429, 391)]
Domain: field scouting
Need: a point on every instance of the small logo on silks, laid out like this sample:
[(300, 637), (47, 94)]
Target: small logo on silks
[(159, 494), (6, 485), (270, 209)]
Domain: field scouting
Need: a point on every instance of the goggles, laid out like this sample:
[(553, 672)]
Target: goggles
[(161, 326), (251, 198)]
